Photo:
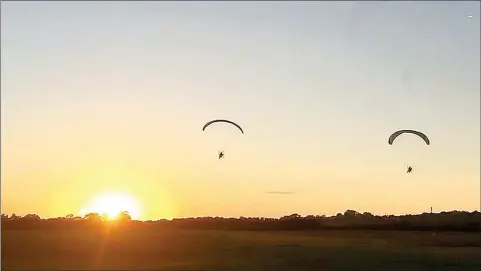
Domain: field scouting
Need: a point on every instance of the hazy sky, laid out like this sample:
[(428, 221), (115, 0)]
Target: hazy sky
[(107, 97)]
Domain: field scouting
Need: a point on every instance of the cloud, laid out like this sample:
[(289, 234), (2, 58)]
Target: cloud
[(280, 193)]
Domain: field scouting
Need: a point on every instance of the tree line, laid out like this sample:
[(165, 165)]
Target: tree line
[(350, 220)]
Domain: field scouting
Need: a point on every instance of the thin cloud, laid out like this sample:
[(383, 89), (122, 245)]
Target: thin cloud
[(280, 192)]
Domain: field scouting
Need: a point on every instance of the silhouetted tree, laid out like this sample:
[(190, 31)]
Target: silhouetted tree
[(351, 213), (367, 214), (94, 217), (124, 216), (32, 217)]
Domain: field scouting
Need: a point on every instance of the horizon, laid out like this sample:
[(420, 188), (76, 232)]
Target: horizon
[(103, 105), (105, 217)]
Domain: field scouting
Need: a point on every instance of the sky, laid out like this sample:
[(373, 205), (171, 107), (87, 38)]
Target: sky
[(109, 98)]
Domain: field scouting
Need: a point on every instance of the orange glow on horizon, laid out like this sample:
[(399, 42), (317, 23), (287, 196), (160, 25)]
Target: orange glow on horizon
[(111, 205)]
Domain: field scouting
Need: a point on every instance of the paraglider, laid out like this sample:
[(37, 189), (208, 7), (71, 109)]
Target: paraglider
[(400, 132), (221, 153)]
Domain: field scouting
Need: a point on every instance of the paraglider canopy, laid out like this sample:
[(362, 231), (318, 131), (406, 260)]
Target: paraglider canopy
[(222, 120), (398, 133)]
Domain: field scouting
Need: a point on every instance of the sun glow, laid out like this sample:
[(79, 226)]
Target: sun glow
[(112, 204)]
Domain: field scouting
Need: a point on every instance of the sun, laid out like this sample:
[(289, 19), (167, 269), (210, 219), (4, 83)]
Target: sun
[(112, 204)]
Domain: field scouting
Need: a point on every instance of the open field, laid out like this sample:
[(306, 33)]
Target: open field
[(156, 249)]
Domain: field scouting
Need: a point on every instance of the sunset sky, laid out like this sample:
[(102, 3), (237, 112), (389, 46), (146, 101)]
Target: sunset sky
[(109, 98)]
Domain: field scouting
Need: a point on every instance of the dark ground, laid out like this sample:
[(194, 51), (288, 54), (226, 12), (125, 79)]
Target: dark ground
[(155, 249)]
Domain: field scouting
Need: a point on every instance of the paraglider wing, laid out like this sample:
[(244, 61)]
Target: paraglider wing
[(219, 120), (398, 133)]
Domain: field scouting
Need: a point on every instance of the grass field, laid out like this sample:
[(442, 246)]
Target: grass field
[(235, 250)]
